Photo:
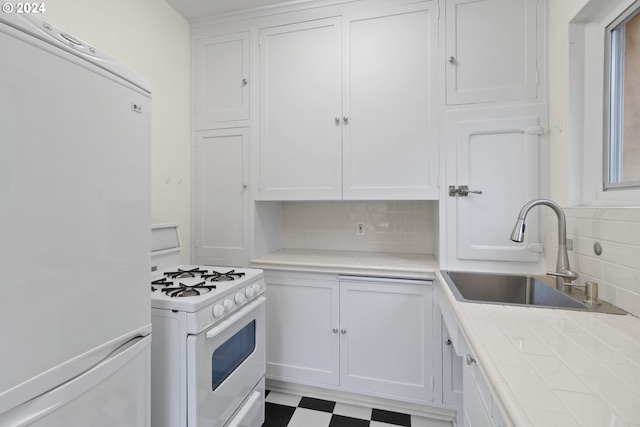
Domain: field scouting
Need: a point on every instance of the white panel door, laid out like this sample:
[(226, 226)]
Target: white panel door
[(221, 74), (302, 329), (491, 50), (390, 137), (386, 338), (300, 109), (497, 153), (222, 196)]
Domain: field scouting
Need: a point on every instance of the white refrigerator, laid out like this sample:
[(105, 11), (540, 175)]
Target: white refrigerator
[(75, 203)]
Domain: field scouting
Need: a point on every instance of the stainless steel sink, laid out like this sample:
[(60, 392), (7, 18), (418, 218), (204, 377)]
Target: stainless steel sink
[(525, 290)]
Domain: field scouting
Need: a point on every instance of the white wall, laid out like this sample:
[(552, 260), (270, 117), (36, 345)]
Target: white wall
[(616, 229), (561, 171), (154, 40)]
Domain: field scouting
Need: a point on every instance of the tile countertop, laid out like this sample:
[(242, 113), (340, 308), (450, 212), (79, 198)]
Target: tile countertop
[(552, 367), (408, 266)]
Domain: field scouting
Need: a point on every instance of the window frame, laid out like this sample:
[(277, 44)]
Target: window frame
[(588, 111), (614, 102)]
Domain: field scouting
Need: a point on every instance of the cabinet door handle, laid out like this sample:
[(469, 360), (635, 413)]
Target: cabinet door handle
[(470, 360), (244, 81), (335, 330), (345, 119), (452, 60), (343, 331), (337, 119), (447, 341)]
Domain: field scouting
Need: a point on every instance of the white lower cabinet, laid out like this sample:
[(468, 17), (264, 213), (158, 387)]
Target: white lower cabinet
[(479, 407), (477, 400), (367, 335), (451, 371), (302, 314)]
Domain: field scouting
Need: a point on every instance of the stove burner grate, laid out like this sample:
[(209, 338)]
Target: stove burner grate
[(215, 276), (184, 273), (160, 282), (188, 291)]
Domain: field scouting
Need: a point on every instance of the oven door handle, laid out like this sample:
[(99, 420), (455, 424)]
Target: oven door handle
[(217, 330)]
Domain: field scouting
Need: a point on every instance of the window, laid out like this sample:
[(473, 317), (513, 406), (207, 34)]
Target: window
[(622, 156), (226, 358)]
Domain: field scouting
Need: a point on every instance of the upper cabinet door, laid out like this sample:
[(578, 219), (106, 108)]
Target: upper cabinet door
[(222, 78), (221, 197), (496, 152), (300, 111), (491, 50), (390, 102)]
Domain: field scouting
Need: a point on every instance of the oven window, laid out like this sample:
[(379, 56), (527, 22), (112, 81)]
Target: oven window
[(232, 353)]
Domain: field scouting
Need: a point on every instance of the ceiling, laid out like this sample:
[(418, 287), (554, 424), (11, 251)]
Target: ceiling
[(194, 9)]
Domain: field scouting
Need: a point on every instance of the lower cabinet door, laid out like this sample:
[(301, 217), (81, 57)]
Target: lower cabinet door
[(386, 337), (302, 329), (451, 371), (477, 403)]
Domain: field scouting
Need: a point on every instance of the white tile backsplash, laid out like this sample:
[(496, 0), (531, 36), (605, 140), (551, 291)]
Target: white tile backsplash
[(617, 269), (395, 226)]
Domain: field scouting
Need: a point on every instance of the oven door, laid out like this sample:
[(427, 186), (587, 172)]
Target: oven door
[(225, 364)]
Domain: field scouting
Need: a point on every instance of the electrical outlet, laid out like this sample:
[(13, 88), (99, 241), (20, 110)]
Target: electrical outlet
[(360, 228)]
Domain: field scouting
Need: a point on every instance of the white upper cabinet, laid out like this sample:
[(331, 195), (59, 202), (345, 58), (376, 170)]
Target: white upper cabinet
[(348, 106), (221, 197), (221, 78), (300, 111), (491, 50), (390, 97), (495, 152)]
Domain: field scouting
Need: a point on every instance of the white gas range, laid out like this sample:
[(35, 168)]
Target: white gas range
[(191, 288), (208, 343)]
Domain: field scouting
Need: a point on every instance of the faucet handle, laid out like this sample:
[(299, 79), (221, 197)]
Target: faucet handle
[(569, 275)]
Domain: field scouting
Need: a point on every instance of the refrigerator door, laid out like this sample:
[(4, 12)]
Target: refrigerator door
[(75, 211), (113, 393)]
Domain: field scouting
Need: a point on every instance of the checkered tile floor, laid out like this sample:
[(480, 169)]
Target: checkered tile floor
[(289, 410)]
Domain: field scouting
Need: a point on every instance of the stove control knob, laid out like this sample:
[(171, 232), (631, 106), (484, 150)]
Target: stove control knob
[(257, 287), (240, 298), (218, 310), (227, 304), (249, 292)]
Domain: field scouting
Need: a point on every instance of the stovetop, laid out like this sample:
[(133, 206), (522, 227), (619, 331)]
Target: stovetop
[(190, 288)]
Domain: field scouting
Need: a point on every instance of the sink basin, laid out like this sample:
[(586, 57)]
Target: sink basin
[(525, 290)]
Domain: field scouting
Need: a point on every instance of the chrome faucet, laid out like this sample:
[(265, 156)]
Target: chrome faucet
[(563, 274)]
